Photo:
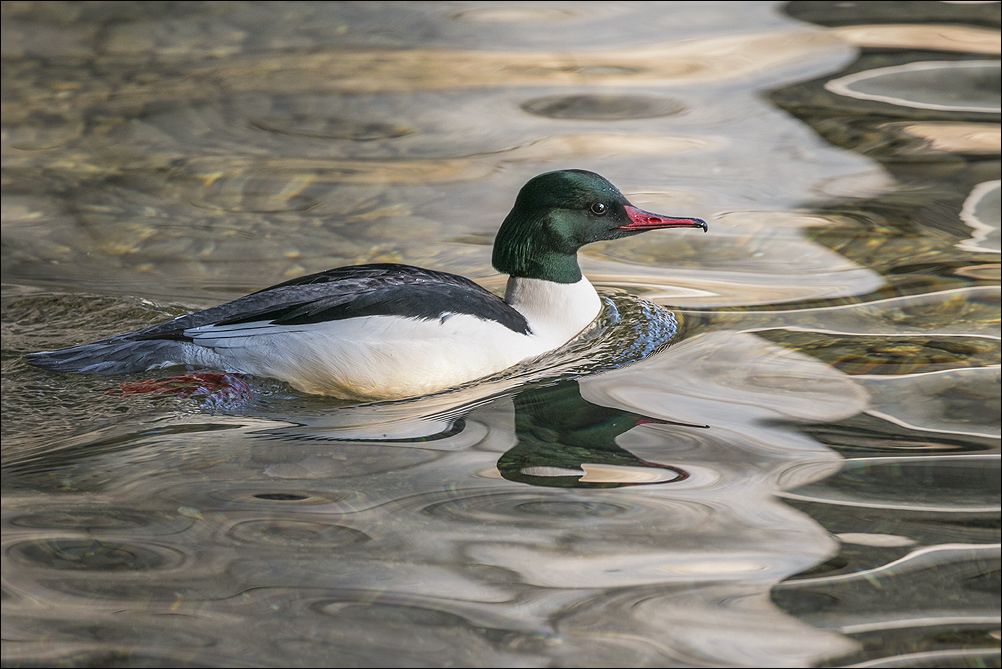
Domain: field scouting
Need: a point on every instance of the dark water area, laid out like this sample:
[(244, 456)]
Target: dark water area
[(778, 445)]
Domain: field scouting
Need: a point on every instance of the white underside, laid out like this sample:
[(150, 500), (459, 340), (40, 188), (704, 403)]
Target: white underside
[(388, 357)]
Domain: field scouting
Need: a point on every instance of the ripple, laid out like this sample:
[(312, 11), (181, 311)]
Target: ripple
[(322, 127), (514, 14), (981, 212), (960, 86), (572, 509), (973, 39), (973, 657), (949, 484), (888, 353), (963, 138), (279, 496), (170, 630), (698, 624), (295, 532), (143, 591), (207, 497), (563, 567), (950, 402), (380, 633), (602, 107), (530, 509), (946, 586), (347, 462), (93, 555), (111, 658), (389, 613), (872, 539), (105, 519)]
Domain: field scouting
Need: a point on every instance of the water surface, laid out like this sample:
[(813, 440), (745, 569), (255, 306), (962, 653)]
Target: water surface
[(803, 471)]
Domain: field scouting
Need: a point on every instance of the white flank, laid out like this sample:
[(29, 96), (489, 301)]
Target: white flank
[(389, 357)]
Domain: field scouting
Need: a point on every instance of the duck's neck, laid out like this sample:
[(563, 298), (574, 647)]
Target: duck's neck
[(556, 312)]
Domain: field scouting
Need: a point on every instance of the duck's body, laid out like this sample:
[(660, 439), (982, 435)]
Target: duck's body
[(396, 331), (367, 332)]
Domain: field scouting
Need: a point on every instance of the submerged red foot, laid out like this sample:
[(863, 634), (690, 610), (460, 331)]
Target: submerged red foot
[(215, 387)]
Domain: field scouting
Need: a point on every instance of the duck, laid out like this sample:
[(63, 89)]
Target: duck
[(392, 331)]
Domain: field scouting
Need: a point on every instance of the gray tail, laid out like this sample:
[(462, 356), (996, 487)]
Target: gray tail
[(115, 355)]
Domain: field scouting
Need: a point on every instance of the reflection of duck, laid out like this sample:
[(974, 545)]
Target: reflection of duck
[(395, 331), (565, 441)]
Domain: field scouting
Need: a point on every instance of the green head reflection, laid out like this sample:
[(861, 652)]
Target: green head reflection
[(565, 441)]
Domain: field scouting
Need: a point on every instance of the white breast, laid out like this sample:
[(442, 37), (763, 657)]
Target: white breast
[(556, 312)]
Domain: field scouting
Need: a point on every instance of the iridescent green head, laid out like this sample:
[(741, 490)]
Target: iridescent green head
[(557, 213)]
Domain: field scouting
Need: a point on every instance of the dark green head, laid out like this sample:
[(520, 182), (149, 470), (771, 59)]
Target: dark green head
[(557, 213)]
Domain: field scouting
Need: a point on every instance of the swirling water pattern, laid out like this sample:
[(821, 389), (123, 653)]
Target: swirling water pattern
[(778, 447)]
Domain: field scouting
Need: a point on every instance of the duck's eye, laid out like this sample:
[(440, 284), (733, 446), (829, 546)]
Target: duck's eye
[(598, 208)]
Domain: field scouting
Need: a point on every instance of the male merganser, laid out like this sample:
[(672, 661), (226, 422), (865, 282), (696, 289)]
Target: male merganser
[(384, 331)]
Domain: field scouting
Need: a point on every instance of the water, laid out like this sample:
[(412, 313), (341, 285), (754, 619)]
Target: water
[(807, 475)]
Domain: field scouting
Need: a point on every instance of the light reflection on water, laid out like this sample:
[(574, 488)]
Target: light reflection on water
[(808, 474)]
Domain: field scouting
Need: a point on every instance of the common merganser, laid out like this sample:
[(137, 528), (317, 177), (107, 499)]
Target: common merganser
[(386, 331)]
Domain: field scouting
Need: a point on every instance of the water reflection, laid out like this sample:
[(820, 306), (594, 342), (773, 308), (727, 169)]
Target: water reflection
[(916, 507), (566, 441), (960, 86), (982, 212), (837, 330), (244, 517)]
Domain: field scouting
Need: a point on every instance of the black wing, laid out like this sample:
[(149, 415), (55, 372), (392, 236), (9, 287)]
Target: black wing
[(351, 292)]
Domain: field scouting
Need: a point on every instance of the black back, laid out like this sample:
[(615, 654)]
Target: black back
[(351, 292)]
